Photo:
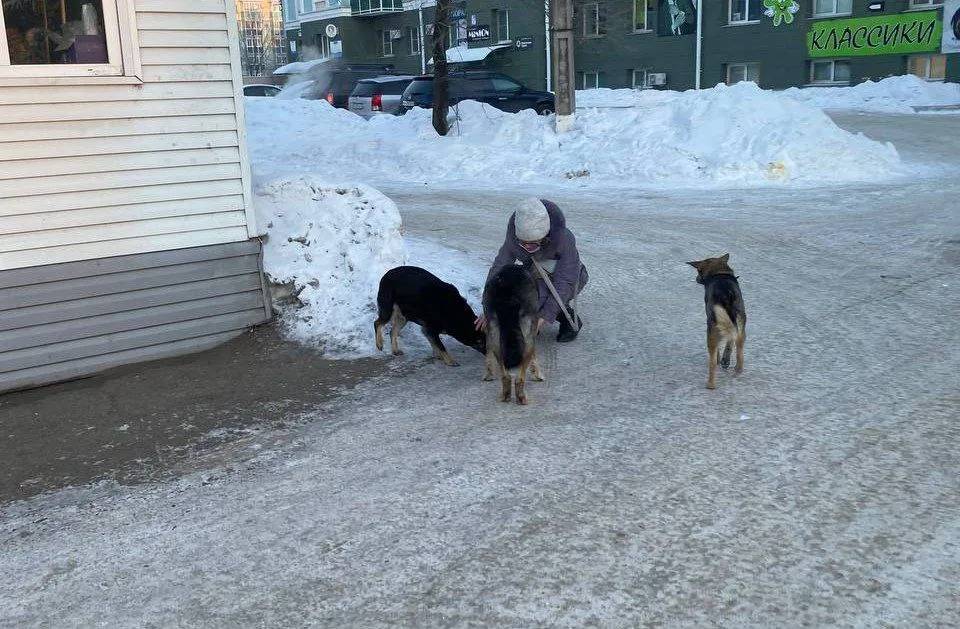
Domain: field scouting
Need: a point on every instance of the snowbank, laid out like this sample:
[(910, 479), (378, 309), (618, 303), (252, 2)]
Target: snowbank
[(896, 94), (332, 244), (738, 135)]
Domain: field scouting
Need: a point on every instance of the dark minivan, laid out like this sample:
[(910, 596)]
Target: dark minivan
[(334, 84), (484, 86)]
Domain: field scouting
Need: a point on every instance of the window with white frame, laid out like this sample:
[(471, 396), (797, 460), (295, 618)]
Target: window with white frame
[(588, 80), (593, 20), (929, 67), (458, 32), (830, 71), (501, 20), (290, 10), (823, 8), (386, 43), (745, 11), (416, 45), (641, 11), (925, 4), (638, 79), (737, 72), (73, 38), (307, 6)]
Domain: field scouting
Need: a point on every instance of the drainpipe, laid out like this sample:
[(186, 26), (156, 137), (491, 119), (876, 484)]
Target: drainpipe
[(423, 50), (546, 38), (696, 78)]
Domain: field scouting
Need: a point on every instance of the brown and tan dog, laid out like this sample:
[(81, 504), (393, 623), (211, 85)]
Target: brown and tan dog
[(726, 315)]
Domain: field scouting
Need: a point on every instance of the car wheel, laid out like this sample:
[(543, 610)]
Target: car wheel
[(544, 110)]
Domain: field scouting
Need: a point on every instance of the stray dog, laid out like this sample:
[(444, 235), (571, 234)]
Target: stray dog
[(510, 305), (409, 293), (726, 315)]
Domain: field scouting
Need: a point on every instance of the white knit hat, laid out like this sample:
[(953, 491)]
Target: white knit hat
[(532, 222)]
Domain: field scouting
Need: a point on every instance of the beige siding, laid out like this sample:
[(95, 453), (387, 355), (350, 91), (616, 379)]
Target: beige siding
[(115, 169)]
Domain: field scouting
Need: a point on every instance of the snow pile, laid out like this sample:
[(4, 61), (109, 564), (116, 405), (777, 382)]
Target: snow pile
[(896, 94), (738, 135), (332, 244)]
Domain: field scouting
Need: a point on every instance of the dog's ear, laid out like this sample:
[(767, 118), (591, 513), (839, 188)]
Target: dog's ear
[(725, 258), (695, 265)]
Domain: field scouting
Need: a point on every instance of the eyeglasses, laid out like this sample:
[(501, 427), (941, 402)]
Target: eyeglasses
[(530, 246)]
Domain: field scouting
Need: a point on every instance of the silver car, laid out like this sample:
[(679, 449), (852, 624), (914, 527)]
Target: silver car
[(379, 95)]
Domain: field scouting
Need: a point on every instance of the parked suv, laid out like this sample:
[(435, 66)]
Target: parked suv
[(381, 95), (492, 88), (334, 84)]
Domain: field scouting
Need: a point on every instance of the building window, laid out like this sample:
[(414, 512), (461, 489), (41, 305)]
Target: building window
[(823, 8), (290, 10), (929, 67), (641, 21), (415, 42), (745, 11), (458, 32), (593, 20), (925, 4), (307, 6), (386, 43), (501, 18), (93, 38), (638, 79), (830, 71), (588, 80), (737, 72), (323, 45)]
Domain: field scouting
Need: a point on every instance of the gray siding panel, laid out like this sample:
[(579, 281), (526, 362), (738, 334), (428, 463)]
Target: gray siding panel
[(132, 300), (68, 320)]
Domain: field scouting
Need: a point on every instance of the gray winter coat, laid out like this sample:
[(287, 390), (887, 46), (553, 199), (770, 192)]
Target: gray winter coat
[(557, 254)]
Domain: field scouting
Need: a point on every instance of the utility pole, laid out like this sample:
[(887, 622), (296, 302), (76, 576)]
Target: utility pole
[(561, 49)]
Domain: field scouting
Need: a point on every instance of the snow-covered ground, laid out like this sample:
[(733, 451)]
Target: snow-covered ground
[(817, 489)]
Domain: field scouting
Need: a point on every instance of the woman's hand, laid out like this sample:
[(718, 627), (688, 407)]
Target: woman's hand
[(480, 324)]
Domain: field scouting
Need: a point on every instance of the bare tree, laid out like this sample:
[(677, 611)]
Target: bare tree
[(441, 81)]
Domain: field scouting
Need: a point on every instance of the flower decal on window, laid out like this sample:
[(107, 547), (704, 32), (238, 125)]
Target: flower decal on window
[(781, 10)]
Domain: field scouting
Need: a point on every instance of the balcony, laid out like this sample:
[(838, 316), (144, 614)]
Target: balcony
[(375, 7)]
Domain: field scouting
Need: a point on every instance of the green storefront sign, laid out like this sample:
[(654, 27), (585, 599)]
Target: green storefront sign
[(903, 33)]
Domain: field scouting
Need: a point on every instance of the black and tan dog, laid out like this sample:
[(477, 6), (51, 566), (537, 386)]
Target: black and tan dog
[(409, 293), (726, 315), (510, 305)]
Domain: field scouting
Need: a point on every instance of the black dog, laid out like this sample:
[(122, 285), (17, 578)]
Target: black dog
[(510, 305), (409, 293)]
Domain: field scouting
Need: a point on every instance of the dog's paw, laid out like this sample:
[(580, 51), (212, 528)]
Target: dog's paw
[(538, 377), (487, 377), (397, 352), (522, 400), (451, 363), (738, 369), (711, 385)]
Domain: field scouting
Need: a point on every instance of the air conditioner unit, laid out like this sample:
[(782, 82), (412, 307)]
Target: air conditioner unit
[(655, 79), (396, 34)]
